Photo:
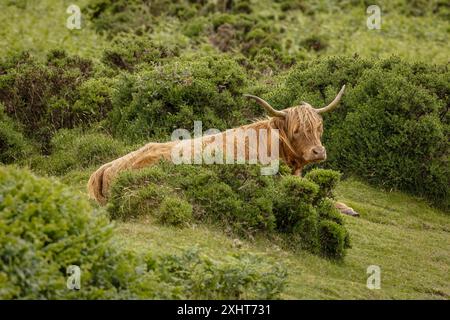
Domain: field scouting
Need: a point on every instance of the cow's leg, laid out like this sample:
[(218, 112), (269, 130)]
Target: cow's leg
[(344, 209), (297, 171)]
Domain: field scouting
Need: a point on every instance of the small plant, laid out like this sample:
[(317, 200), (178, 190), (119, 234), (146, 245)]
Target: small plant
[(13, 145), (73, 149), (327, 180), (174, 211), (333, 239)]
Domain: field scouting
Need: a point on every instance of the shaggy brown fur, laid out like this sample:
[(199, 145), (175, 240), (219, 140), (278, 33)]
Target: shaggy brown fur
[(301, 118), (299, 131)]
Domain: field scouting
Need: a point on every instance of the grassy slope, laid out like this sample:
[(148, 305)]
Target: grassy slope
[(42, 27), (409, 240)]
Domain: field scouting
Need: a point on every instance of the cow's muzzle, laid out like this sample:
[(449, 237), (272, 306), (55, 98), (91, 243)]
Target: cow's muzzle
[(319, 153)]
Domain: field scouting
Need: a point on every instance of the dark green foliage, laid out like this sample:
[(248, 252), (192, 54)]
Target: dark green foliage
[(174, 211), (128, 51), (301, 206), (327, 211), (45, 227), (239, 277), (236, 196), (73, 149), (243, 203), (135, 16), (13, 145), (332, 239), (134, 195), (246, 33), (392, 126), (160, 99), (327, 180), (40, 96)]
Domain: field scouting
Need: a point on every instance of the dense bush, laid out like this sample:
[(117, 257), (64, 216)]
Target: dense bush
[(241, 276), (128, 51), (155, 101), (174, 211), (332, 238), (45, 227), (73, 149), (40, 96), (13, 145), (392, 126), (327, 180), (237, 196)]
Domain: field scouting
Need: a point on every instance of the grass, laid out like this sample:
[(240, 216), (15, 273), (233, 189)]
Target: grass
[(408, 239), (39, 26)]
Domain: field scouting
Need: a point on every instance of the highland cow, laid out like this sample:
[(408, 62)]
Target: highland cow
[(296, 130)]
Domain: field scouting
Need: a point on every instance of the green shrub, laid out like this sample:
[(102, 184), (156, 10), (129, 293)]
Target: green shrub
[(236, 196), (128, 51), (238, 277), (333, 239), (306, 230), (94, 98), (247, 33), (298, 190), (327, 211), (45, 227), (134, 16), (135, 194), (73, 149), (327, 180), (40, 96), (174, 211), (212, 191), (392, 126), (155, 101), (13, 145)]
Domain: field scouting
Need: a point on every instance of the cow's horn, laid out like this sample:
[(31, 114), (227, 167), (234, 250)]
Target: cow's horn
[(271, 111), (333, 103)]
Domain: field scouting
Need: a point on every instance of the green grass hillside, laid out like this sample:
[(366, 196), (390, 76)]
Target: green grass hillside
[(72, 100), (404, 236)]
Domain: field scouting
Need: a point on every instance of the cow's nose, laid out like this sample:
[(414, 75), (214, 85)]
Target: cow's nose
[(319, 150)]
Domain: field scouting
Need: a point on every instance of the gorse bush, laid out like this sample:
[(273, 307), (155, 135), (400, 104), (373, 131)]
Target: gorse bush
[(128, 51), (73, 149), (392, 126), (159, 99), (40, 96), (13, 145), (174, 211), (45, 227), (241, 276), (236, 196)]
